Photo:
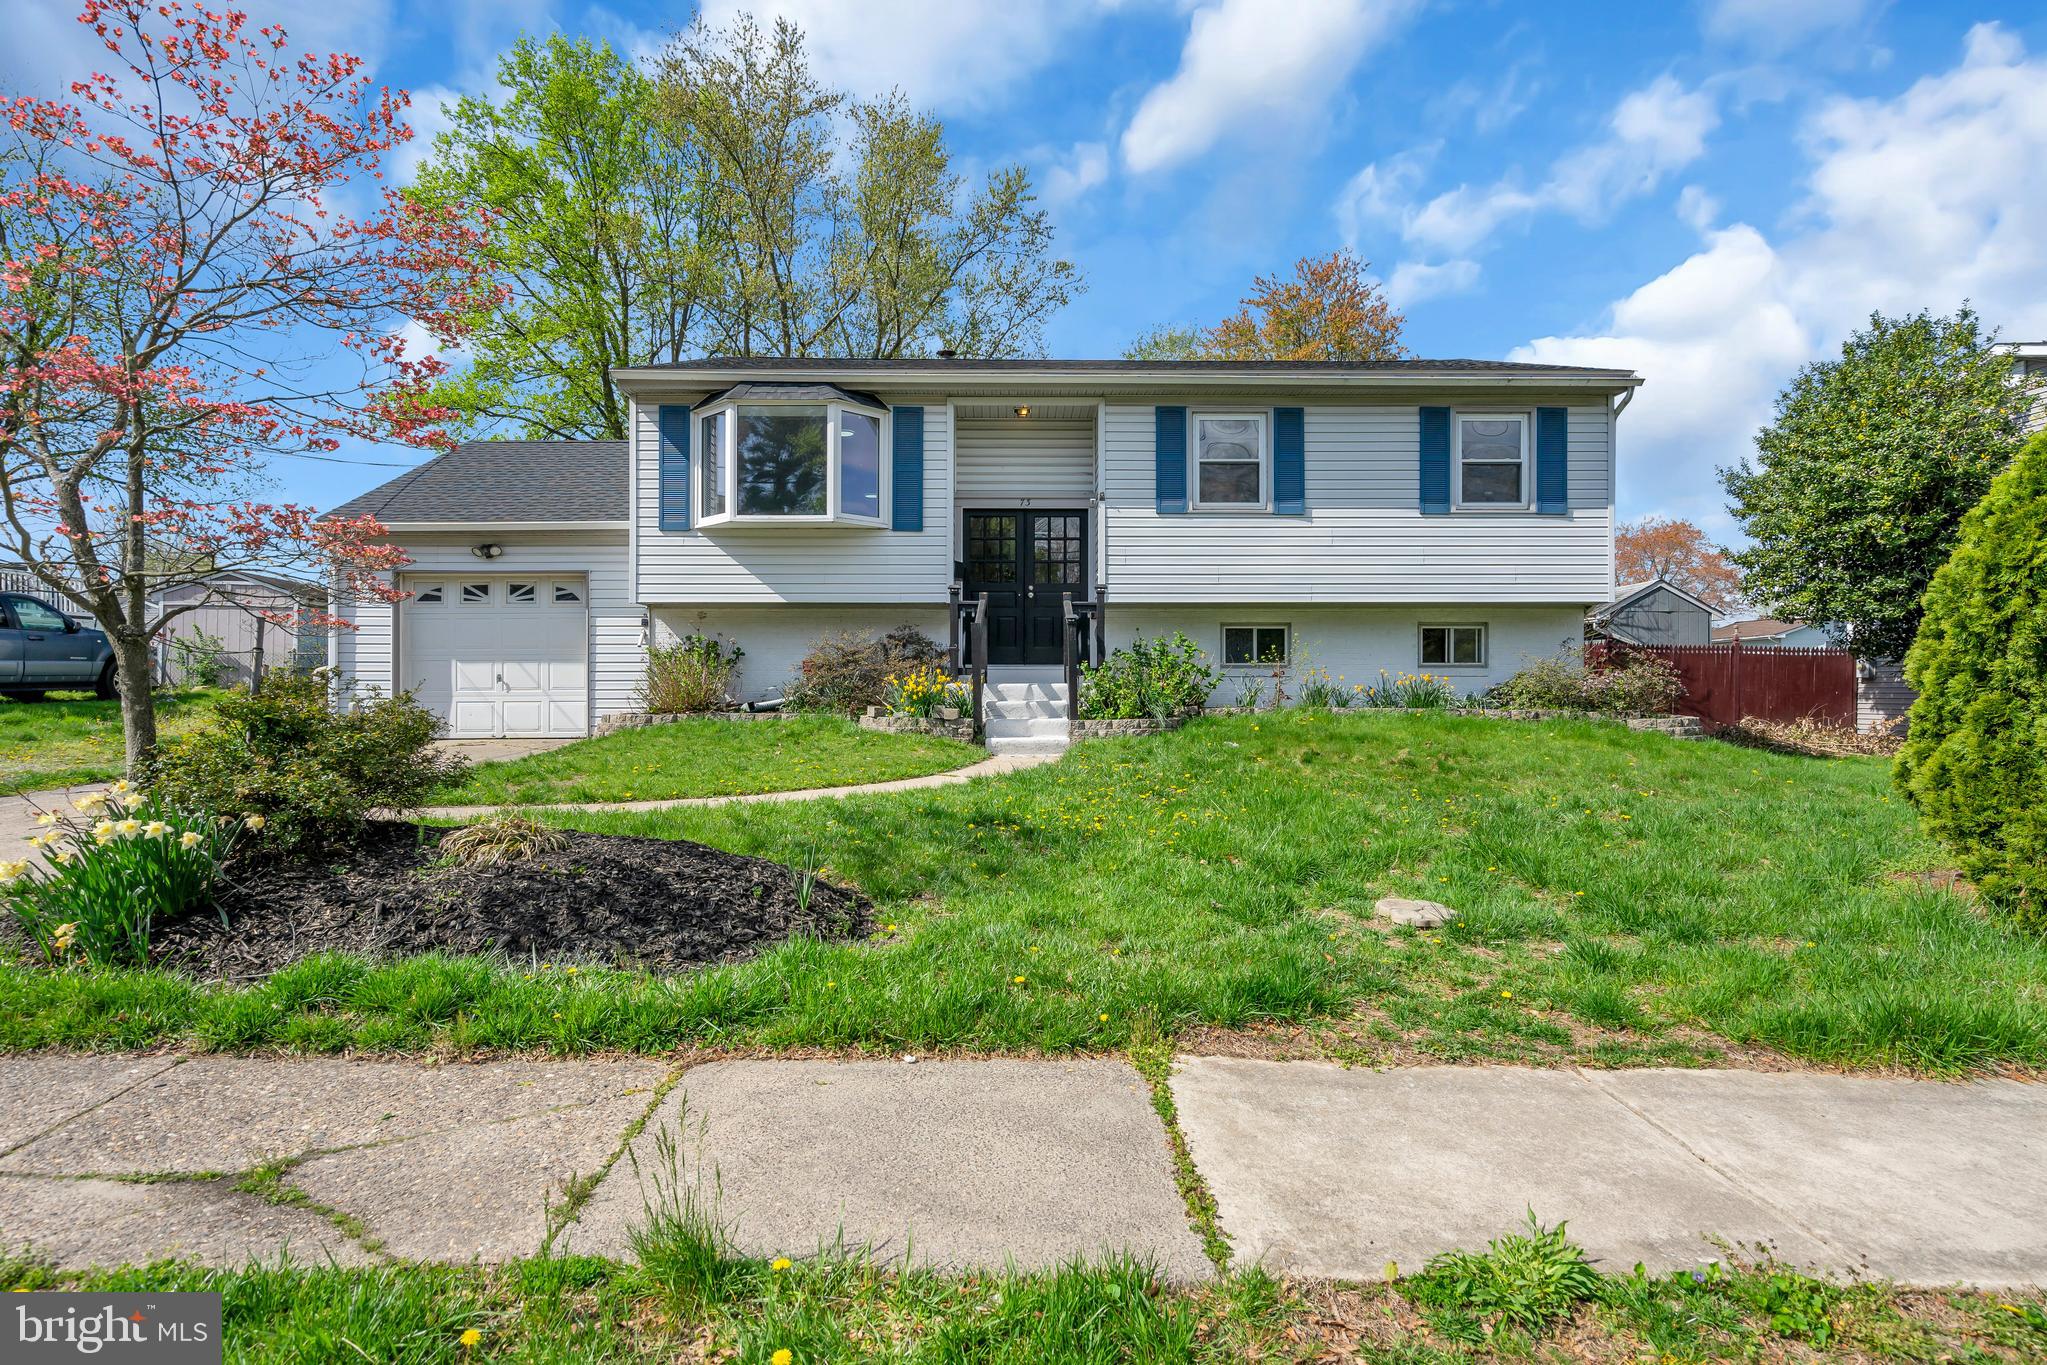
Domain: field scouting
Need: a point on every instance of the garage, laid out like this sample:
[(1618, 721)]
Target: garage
[(498, 655)]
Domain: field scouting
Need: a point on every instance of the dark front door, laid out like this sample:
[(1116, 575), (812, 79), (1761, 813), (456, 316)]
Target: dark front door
[(1024, 560)]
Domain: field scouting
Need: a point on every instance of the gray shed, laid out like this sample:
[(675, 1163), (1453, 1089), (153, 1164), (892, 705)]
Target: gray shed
[(1657, 612)]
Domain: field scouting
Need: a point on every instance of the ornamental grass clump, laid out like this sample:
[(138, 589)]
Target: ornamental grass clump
[(506, 837), (924, 691), (119, 863), (1156, 676), (693, 674)]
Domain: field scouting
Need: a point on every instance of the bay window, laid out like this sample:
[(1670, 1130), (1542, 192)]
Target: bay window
[(788, 461)]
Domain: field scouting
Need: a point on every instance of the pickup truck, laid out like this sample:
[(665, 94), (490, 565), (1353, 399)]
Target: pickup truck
[(42, 649)]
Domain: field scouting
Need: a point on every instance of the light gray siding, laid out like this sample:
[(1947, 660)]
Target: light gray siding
[(805, 563), (1661, 617), (1043, 461), (1882, 696), (776, 638), (367, 654), (1363, 538)]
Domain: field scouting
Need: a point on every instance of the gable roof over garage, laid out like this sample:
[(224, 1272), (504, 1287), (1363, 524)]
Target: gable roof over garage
[(489, 482)]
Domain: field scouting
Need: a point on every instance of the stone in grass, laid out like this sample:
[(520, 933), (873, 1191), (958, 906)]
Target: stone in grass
[(1419, 914)]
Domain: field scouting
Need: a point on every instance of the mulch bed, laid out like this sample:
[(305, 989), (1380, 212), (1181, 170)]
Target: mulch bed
[(659, 904)]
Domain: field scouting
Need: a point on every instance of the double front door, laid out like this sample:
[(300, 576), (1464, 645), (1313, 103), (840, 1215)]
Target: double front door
[(1025, 560)]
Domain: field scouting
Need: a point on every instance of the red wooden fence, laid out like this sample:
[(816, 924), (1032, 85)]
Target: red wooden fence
[(1726, 683)]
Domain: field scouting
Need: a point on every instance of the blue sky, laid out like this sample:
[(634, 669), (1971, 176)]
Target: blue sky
[(1709, 193)]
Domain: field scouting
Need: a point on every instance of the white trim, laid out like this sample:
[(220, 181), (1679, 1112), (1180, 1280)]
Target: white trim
[(451, 526), (1195, 417), (629, 377), (1222, 653), (834, 513), (1485, 643), (1457, 420)]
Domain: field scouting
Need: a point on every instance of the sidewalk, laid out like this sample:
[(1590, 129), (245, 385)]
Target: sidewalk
[(1317, 1171)]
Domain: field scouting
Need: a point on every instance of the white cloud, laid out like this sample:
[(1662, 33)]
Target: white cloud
[(1381, 191), (1652, 132), (943, 54), (1921, 201), (1069, 176), (1413, 281), (1775, 25), (1247, 67)]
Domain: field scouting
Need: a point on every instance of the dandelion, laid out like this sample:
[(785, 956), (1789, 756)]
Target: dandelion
[(188, 839), (1506, 995), (469, 1338), (784, 1356), (1103, 1018), (780, 1264), (1016, 981), (255, 822)]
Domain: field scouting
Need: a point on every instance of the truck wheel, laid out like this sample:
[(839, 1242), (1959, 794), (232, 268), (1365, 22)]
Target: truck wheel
[(104, 688)]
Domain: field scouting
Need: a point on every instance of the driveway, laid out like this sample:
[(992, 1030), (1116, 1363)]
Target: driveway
[(497, 750)]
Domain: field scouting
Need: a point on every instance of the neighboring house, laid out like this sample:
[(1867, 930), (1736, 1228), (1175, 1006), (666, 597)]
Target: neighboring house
[(239, 618), (1656, 612), (1451, 517), (1766, 632), (2032, 364)]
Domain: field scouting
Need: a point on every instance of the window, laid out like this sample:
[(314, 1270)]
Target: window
[(473, 593), (1255, 646), (429, 595), (30, 614), (1451, 646), (770, 460), (711, 459), (1229, 460), (1492, 459), (567, 593), (520, 595)]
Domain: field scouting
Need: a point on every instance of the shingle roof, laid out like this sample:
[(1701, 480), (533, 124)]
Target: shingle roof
[(801, 393), (492, 481)]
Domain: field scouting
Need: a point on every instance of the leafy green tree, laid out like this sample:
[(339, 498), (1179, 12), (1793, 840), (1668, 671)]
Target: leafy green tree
[(839, 228), (1857, 490), (598, 218), (1166, 343), (1975, 761)]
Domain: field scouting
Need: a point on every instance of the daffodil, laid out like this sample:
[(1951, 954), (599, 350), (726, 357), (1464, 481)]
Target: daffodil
[(188, 839), (89, 802), (103, 830), (156, 829), (255, 822), (120, 787), (47, 818), (128, 828), (131, 800)]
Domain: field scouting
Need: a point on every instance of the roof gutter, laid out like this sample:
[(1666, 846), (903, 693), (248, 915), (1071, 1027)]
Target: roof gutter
[(628, 377)]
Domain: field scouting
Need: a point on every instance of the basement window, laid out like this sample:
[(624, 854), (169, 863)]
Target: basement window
[(1256, 646)]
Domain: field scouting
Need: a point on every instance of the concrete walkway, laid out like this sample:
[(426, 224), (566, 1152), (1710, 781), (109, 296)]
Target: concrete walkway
[(18, 814), (1317, 1171), (987, 767)]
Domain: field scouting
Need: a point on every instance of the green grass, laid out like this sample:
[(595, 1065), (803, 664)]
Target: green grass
[(691, 1302), (1627, 899), (74, 737), (709, 758)]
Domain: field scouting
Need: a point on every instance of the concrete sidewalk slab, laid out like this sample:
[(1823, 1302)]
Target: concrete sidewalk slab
[(954, 1164), (39, 1092), (221, 1114), (79, 1223), (1330, 1173), (477, 1193), (1921, 1181)]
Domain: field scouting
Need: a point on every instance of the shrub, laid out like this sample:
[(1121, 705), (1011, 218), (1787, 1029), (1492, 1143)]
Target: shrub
[(848, 672), (314, 772), (693, 674), (1410, 692), (1622, 682), (117, 867), (924, 691), (201, 660), (506, 837), (1155, 677), (1974, 761)]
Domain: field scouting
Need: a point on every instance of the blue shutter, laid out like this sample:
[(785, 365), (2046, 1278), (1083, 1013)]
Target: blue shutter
[(1169, 460), (906, 476), (673, 422), (1435, 461), (1289, 462), (1552, 460)]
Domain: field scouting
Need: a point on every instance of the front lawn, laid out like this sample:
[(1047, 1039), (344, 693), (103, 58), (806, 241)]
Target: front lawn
[(74, 737), (1627, 898), (709, 758)]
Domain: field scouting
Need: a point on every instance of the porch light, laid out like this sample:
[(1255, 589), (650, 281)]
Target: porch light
[(1022, 412), (487, 551)]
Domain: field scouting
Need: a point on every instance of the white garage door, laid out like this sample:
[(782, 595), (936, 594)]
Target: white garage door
[(498, 655)]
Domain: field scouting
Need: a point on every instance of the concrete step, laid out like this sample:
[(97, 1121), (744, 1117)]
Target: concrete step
[(1026, 691), (1026, 744), (1038, 727), (995, 709)]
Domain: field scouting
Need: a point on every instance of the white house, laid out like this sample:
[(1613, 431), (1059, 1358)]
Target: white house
[(1454, 517)]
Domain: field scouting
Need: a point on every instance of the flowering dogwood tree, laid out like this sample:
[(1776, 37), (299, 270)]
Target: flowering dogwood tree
[(183, 294)]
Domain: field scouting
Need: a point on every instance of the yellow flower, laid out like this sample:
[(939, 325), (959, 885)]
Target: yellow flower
[(470, 1337), (1506, 995), (120, 787), (782, 1357), (63, 855), (1103, 1017), (255, 822), (131, 800), (128, 828), (103, 830), (156, 829), (91, 801), (187, 839), (780, 1263), (1016, 980), (47, 818), (13, 871)]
